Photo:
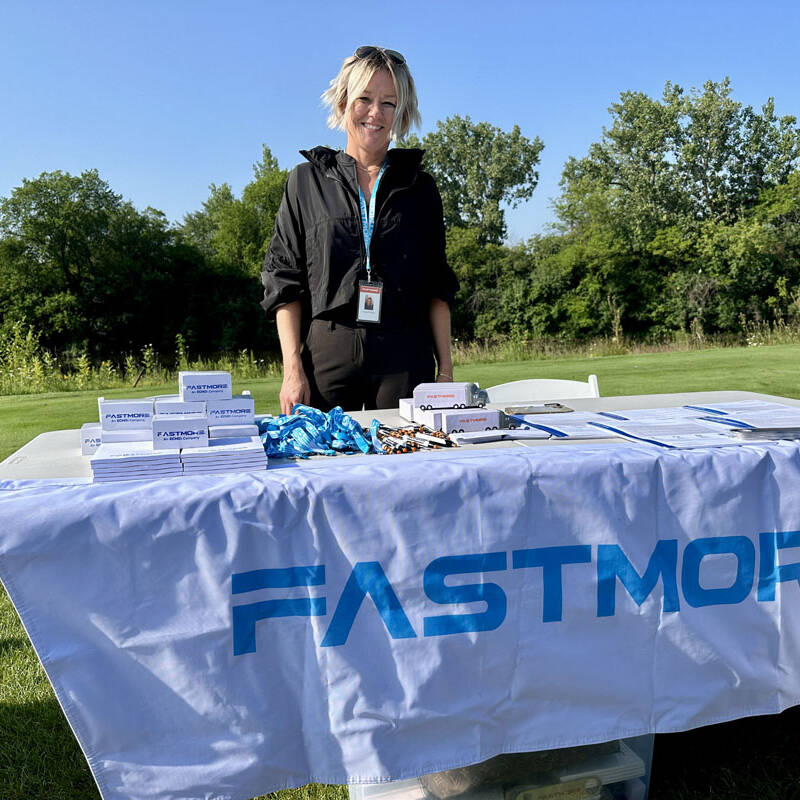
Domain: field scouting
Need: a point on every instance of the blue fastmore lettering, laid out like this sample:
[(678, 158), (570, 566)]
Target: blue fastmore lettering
[(495, 598), (770, 572), (612, 570), (551, 559), (743, 551), (367, 578), (612, 563), (277, 578), (246, 616)]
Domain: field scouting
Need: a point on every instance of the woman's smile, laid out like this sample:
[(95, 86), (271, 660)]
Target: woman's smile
[(372, 113)]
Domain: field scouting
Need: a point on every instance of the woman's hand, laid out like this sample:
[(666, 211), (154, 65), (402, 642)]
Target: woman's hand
[(294, 389), (440, 328)]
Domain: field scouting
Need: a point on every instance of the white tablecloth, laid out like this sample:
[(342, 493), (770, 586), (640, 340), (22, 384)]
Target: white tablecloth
[(225, 636)]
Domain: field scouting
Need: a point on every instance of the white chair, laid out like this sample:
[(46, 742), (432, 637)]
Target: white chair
[(542, 389)]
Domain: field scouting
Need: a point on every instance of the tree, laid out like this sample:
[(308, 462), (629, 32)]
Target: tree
[(53, 231), (690, 157), (235, 231), (478, 168), (662, 206), (88, 270)]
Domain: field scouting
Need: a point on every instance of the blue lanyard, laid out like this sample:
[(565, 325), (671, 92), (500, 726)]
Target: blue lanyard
[(368, 222)]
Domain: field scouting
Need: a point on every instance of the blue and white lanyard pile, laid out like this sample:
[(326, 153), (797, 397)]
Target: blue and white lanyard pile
[(308, 431)]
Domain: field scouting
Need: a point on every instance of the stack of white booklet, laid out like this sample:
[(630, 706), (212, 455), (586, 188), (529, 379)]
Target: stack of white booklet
[(574, 425), (755, 420), (767, 434), (128, 461), (243, 454), (663, 414), (479, 437), (671, 433)]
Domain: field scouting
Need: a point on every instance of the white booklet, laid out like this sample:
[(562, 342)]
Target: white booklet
[(576, 425), (664, 414), (784, 417), (681, 434), (478, 437), (736, 408), (136, 452), (225, 448)]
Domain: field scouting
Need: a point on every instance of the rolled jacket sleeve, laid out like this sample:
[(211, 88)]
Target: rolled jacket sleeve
[(444, 283), (284, 275)]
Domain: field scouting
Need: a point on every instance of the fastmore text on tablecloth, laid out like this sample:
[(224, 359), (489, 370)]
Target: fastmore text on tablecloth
[(608, 563)]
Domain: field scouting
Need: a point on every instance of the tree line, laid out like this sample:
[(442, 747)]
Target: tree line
[(683, 217)]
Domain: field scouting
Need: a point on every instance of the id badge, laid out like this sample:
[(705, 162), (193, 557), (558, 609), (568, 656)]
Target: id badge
[(370, 295)]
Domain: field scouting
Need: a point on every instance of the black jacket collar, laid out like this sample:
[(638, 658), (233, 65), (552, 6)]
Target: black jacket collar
[(405, 163)]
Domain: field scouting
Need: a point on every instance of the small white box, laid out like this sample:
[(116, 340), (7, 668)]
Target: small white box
[(164, 397), (118, 415), (406, 408), (175, 432), (90, 438), (470, 419), (178, 407), (457, 394), (431, 419), (239, 410), (232, 431), (128, 435), (205, 385)]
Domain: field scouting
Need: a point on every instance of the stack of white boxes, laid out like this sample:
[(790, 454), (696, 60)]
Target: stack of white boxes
[(125, 420), (447, 407), (204, 414)]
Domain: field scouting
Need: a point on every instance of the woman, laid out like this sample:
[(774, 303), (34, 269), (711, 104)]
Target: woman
[(356, 269)]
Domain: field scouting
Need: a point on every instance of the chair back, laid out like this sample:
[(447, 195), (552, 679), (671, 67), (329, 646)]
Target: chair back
[(543, 390)]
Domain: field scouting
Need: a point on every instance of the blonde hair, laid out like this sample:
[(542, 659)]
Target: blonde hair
[(353, 78)]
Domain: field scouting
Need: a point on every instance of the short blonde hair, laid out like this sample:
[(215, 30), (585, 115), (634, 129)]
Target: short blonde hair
[(353, 78)]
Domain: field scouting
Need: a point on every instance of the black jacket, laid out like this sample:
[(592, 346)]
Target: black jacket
[(316, 254)]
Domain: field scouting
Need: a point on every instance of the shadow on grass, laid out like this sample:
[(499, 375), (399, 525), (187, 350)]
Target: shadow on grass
[(748, 759), (41, 760), (12, 644), (39, 757)]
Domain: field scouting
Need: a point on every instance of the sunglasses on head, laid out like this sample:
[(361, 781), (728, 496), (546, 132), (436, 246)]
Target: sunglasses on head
[(367, 50)]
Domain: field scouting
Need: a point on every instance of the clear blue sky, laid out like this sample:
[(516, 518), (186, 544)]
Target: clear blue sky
[(166, 97)]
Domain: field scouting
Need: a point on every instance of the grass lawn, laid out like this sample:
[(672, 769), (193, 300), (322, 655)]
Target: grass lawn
[(751, 758), (773, 370)]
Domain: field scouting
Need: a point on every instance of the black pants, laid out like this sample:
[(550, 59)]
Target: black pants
[(358, 366)]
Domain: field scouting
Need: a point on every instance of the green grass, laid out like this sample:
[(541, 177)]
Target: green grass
[(751, 758), (773, 370), (24, 416)]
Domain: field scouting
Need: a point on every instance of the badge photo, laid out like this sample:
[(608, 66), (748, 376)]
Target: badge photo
[(370, 294)]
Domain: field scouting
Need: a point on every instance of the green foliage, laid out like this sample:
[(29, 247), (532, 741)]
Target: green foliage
[(92, 274), (181, 353), (27, 368), (478, 168), (236, 232), (683, 217), (695, 156)]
